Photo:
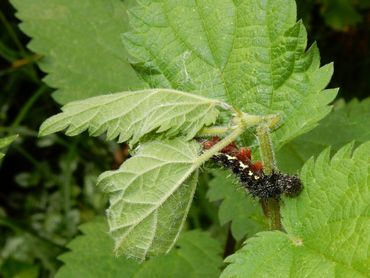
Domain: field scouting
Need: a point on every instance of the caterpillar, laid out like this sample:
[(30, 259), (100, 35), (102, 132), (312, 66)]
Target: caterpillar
[(251, 175)]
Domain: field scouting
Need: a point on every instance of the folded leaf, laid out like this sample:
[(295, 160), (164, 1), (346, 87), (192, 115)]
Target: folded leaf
[(327, 225), (150, 195), (132, 115)]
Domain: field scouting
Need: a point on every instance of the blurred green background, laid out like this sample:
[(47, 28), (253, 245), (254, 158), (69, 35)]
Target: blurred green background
[(47, 185)]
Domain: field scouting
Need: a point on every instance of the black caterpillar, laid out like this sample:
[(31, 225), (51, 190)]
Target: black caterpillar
[(256, 182)]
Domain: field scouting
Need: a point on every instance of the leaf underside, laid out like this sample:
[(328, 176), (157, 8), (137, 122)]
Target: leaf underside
[(81, 46), (132, 115), (327, 225), (196, 255), (251, 54), (150, 195)]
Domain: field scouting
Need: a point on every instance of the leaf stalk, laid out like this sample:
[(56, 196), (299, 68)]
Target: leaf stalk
[(271, 206)]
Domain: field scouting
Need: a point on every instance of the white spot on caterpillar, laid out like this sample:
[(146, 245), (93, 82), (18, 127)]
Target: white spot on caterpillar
[(250, 173), (256, 177), (243, 165), (229, 157)]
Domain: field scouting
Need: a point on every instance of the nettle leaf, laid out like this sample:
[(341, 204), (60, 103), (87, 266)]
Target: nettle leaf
[(6, 141), (196, 254), (81, 46), (327, 225), (342, 126), (237, 207), (132, 115), (91, 255), (150, 196), (215, 48)]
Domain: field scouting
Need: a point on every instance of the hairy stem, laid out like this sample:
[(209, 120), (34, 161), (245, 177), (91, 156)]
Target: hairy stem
[(267, 153), (214, 130), (242, 121), (220, 145), (271, 206), (274, 213)]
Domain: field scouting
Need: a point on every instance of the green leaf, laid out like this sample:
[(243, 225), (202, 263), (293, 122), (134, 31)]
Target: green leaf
[(150, 196), (132, 115), (237, 207), (80, 44), (6, 141), (343, 125), (340, 14), (251, 54), (196, 255), (13, 267), (327, 225), (91, 255)]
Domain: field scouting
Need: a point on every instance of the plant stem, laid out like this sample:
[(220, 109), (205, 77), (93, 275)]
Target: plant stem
[(17, 42), (23, 112), (214, 130), (66, 187), (271, 206), (267, 153), (220, 145), (242, 121), (274, 214)]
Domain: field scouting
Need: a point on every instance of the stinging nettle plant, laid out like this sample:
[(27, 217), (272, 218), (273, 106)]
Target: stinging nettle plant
[(200, 69)]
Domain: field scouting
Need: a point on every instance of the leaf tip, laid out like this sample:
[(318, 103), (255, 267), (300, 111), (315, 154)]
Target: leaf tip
[(43, 130)]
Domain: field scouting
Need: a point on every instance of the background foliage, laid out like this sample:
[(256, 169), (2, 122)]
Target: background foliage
[(47, 186)]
